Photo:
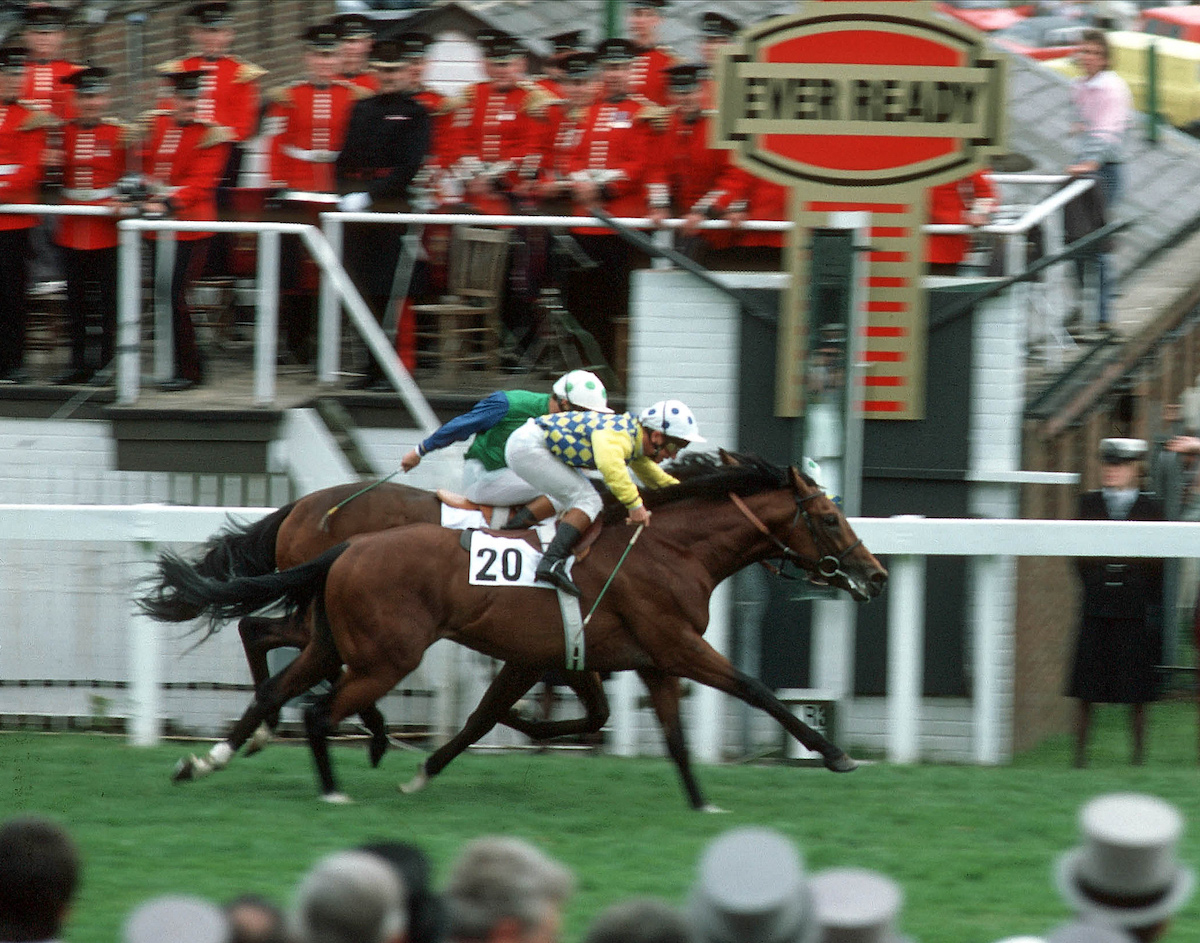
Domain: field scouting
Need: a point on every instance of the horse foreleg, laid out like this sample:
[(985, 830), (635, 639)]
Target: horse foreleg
[(590, 691), (664, 690), (509, 684)]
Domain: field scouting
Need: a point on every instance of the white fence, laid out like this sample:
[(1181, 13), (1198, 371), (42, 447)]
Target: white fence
[(906, 542)]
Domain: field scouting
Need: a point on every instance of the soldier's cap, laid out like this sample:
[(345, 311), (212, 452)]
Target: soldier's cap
[(649, 4), (570, 41), (413, 44), (685, 77), (718, 25), (12, 58), (498, 45), (91, 80), (354, 25), (578, 65), (214, 14), (1121, 451), (386, 54), (186, 84), (323, 37), (616, 49), (43, 18)]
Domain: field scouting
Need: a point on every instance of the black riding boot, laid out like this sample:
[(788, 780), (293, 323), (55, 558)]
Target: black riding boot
[(520, 519), (553, 566)]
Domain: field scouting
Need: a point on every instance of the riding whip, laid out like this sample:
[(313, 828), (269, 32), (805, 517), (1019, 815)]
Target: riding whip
[(341, 504), (632, 540)]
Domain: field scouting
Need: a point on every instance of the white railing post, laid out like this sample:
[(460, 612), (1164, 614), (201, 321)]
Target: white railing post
[(129, 313), (266, 323), (989, 625), (145, 691), (329, 318), (906, 654), (164, 317), (623, 690)]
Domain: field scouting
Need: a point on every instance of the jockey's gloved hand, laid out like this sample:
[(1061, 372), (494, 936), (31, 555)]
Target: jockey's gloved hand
[(354, 202)]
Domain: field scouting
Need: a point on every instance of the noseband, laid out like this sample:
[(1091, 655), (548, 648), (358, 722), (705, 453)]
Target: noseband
[(827, 567)]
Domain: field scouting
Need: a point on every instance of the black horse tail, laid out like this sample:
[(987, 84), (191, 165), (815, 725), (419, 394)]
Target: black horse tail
[(181, 592), (240, 549)]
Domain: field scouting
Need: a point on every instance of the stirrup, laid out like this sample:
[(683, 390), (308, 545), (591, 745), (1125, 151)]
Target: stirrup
[(556, 573)]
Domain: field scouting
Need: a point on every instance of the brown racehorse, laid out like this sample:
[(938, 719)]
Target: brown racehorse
[(382, 599), (303, 530)]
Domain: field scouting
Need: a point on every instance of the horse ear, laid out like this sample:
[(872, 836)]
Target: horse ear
[(797, 479), (727, 458)]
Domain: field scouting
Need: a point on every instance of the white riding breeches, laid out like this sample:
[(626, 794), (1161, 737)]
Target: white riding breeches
[(528, 456), (500, 488)]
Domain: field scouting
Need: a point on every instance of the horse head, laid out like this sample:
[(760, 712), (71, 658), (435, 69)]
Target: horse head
[(822, 541)]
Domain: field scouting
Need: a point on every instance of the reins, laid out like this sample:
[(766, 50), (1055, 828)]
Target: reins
[(827, 566)]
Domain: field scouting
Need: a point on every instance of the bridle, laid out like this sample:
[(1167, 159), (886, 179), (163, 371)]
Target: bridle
[(827, 567)]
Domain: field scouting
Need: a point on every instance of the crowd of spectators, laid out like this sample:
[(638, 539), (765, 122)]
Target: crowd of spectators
[(1122, 883)]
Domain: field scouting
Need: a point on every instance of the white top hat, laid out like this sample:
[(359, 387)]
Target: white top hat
[(751, 888), (1126, 873), (177, 917), (1079, 931), (854, 905)]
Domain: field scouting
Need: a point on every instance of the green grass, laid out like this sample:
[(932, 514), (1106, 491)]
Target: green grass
[(972, 847)]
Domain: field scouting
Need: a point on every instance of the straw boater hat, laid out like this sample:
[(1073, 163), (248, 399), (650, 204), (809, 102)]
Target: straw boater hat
[(1126, 873), (751, 888), (854, 905), (1119, 451)]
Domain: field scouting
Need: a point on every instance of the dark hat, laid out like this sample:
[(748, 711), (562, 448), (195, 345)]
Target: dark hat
[(686, 77), (567, 42), (386, 54), (718, 25), (186, 84), (354, 25), (44, 18), (92, 80), (650, 4), (1120, 451), (616, 49), (413, 44), (12, 58), (577, 65), (498, 45), (211, 15), (323, 37)]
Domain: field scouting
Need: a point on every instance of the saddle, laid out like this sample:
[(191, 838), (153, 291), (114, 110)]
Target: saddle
[(529, 535), (463, 503)]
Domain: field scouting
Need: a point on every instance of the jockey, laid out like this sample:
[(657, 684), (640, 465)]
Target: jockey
[(486, 477), (552, 452)]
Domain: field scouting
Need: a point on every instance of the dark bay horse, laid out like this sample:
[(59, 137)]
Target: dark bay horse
[(302, 530), (382, 599)]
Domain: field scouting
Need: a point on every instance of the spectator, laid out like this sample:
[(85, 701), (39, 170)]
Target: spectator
[(969, 201), (358, 34), (1126, 873), (39, 874), (1103, 106), (751, 888), (426, 913), (854, 905), (177, 918), (254, 919), (641, 920), (1120, 630), (1079, 931), (504, 889), (646, 77), (350, 897)]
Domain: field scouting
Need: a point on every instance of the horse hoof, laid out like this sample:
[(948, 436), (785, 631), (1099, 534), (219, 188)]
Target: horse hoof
[(258, 742), (416, 784), (377, 749), (841, 763), (711, 809), (185, 770), (337, 798)]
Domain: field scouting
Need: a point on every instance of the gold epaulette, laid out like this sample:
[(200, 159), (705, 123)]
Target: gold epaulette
[(281, 94), (658, 116), (247, 71), (537, 100), (169, 67), (359, 92), (39, 121), (216, 134)]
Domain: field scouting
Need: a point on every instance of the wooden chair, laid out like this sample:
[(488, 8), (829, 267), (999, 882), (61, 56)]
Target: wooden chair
[(464, 326)]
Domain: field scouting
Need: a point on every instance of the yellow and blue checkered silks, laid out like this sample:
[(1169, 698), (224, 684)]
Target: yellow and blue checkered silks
[(569, 435)]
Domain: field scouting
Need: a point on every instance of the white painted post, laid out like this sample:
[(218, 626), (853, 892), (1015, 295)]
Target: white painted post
[(329, 321), (906, 651), (145, 695), (266, 323), (129, 327), (833, 647), (164, 317), (708, 724), (623, 697), (989, 586)]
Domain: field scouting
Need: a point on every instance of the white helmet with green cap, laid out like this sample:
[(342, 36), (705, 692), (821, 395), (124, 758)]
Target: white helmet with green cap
[(584, 390)]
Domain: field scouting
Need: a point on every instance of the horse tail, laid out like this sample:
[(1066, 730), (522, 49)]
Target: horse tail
[(181, 592), (240, 549)]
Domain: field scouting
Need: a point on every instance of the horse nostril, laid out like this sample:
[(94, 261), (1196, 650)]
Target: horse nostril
[(878, 581)]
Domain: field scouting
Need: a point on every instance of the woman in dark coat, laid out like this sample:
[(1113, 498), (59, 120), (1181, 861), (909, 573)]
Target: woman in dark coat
[(1120, 630)]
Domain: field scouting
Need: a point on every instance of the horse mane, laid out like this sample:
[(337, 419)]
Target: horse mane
[(706, 476)]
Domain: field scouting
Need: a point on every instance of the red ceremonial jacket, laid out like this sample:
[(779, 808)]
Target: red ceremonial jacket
[(94, 159), (758, 199), (560, 135), (694, 173), (307, 125), (44, 88), (949, 203), (22, 145), (228, 92), (364, 80), (615, 147), (185, 162), (648, 78)]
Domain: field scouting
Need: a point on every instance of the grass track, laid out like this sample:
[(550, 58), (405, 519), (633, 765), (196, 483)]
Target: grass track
[(972, 847)]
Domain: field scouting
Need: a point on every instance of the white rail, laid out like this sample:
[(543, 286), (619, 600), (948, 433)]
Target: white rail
[(906, 542)]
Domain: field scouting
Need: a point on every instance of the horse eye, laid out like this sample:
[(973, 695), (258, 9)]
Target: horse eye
[(831, 521)]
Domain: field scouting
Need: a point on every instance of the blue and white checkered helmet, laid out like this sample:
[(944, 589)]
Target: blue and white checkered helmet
[(671, 417), (584, 390)]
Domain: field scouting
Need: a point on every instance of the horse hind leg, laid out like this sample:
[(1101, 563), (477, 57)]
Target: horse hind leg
[(590, 691)]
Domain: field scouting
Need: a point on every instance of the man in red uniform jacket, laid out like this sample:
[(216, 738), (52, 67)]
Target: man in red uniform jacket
[(562, 133), (646, 76), (46, 71), (182, 159), (358, 33), (92, 159), (22, 145)]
